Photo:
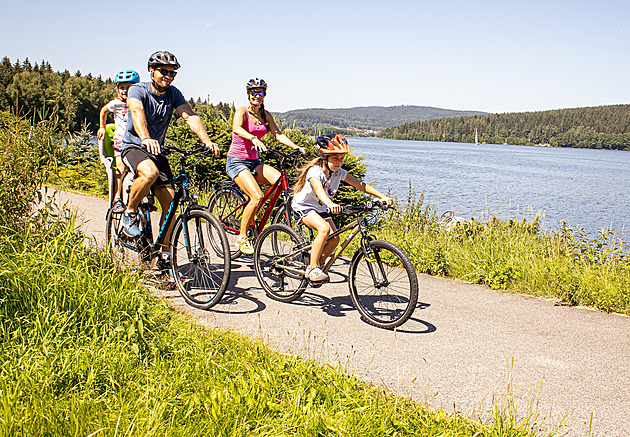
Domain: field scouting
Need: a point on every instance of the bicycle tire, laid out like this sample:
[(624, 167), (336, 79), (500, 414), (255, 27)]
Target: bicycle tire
[(278, 282), (224, 205), (203, 276), (393, 303), (122, 248)]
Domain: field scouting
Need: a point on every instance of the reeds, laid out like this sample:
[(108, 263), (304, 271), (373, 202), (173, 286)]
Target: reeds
[(566, 264)]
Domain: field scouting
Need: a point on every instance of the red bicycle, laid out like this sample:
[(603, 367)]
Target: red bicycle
[(228, 203)]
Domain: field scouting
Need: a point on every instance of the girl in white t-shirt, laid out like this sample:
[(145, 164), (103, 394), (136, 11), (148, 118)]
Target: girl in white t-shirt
[(123, 80), (312, 204)]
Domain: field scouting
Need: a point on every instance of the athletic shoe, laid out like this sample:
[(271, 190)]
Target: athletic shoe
[(130, 225), (315, 274), (165, 269), (118, 206), (245, 246)]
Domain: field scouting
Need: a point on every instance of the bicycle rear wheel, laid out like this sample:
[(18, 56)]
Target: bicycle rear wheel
[(226, 205), (200, 271), (383, 284), (122, 248), (279, 265)]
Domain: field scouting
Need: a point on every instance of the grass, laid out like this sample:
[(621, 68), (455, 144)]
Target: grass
[(566, 264), (86, 350)]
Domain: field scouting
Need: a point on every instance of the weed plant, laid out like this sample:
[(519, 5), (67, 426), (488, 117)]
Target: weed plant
[(567, 264), (87, 351)]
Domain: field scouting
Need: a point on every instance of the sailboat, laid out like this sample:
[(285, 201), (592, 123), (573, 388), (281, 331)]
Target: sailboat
[(476, 138)]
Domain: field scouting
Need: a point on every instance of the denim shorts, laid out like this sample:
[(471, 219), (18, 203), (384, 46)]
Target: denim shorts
[(234, 166), (299, 215)]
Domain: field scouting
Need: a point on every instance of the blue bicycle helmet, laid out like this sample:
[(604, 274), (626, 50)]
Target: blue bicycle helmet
[(127, 76)]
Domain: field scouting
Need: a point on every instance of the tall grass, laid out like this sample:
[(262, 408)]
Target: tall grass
[(567, 264), (87, 351)]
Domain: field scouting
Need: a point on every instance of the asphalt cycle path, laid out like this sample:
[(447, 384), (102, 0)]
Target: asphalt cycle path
[(466, 347)]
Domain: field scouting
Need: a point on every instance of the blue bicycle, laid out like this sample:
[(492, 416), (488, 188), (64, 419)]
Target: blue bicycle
[(197, 242)]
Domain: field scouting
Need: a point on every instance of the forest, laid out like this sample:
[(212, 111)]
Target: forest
[(363, 120), (601, 127), (71, 101)]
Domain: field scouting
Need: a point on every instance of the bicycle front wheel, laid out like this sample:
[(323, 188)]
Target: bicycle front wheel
[(227, 206), (383, 284), (279, 264), (200, 270)]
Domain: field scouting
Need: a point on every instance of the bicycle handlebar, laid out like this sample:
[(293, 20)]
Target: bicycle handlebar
[(368, 206), (186, 152)]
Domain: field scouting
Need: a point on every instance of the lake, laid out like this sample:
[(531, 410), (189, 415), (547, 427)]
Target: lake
[(584, 187)]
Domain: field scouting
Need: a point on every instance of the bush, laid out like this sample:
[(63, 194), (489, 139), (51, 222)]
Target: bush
[(25, 154)]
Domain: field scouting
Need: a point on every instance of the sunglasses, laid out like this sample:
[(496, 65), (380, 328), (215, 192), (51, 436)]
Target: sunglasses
[(165, 72), (257, 93)]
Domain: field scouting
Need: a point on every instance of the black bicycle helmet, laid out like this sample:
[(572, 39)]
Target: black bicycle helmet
[(256, 83), (163, 58)]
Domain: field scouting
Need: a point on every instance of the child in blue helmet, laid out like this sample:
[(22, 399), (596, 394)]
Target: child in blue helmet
[(118, 106)]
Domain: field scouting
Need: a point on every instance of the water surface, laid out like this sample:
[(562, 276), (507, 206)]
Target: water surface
[(584, 187)]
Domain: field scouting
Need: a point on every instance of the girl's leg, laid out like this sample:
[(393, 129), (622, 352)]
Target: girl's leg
[(121, 170), (246, 182), (324, 227), (330, 245)]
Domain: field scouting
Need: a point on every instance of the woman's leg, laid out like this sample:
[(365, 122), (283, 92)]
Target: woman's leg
[(266, 174), (246, 182)]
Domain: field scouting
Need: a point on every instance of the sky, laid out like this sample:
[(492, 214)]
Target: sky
[(492, 56)]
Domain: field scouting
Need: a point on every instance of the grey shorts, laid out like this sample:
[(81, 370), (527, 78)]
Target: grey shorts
[(233, 166), (133, 156)]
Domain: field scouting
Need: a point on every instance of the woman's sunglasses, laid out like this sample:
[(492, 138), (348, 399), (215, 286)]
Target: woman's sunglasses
[(257, 93), (165, 72)]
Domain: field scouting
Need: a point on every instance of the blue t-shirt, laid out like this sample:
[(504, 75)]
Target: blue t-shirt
[(158, 110)]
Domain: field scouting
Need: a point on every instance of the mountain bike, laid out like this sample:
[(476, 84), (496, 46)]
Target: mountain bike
[(228, 203), (382, 281), (199, 270)]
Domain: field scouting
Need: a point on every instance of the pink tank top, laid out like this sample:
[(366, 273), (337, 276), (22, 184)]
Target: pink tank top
[(242, 148)]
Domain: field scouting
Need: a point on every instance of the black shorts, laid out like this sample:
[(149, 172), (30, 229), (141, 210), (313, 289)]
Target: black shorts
[(133, 156)]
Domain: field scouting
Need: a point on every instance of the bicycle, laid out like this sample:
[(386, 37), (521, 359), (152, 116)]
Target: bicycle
[(199, 271), (228, 203), (382, 281)]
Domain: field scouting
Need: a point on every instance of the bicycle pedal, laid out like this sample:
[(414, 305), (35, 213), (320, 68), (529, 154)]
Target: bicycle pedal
[(317, 284)]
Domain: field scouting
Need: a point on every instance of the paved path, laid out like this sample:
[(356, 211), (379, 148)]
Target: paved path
[(464, 347)]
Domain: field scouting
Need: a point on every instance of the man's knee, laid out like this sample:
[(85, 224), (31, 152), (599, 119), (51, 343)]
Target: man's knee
[(148, 171)]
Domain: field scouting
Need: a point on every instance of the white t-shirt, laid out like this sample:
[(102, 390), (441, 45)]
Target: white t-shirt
[(119, 109), (307, 199)]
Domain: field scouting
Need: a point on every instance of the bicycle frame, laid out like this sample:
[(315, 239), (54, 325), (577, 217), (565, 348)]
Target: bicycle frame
[(270, 199), (181, 197), (357, 226)]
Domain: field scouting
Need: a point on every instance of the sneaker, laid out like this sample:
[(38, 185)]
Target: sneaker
[(130, 225), (315, 274), (118, 206), (245, 246), (163, 266)]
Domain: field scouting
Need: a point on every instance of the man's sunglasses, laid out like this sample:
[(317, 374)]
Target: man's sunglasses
[(257, 93), (165, 72)]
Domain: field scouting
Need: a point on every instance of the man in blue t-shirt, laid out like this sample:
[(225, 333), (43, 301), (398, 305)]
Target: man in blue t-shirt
[(151, 106)]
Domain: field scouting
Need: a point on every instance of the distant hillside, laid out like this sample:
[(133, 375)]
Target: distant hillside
[(600, 127), (365, 120)]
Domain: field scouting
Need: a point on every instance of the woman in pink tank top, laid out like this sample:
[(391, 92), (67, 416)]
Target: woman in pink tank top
[(250, 124)]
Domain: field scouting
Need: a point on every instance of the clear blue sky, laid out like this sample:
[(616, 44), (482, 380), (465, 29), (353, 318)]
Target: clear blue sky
[(494, 56)]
